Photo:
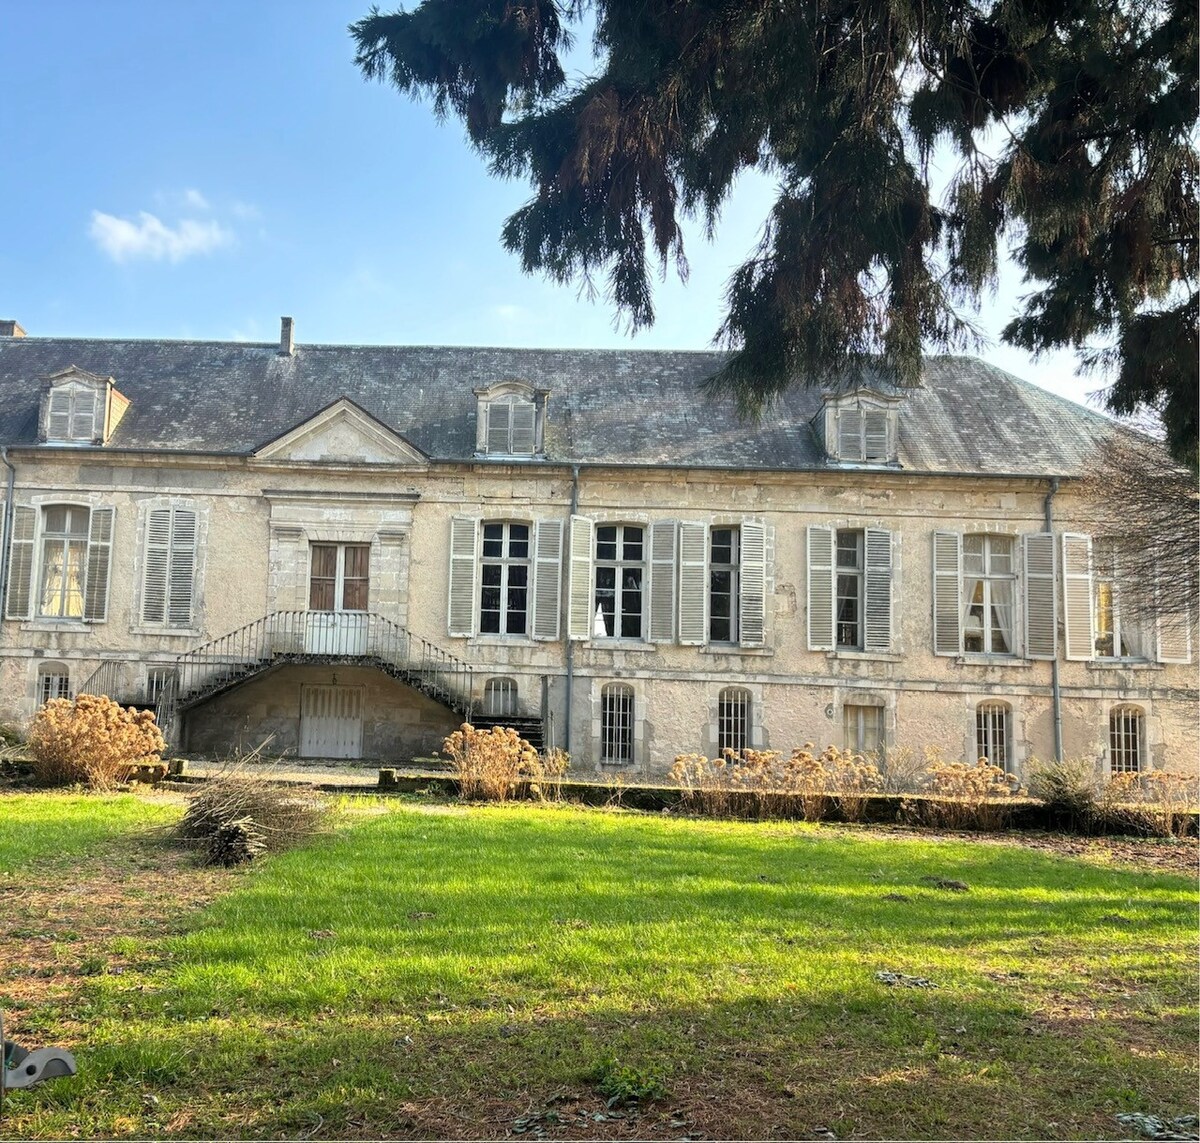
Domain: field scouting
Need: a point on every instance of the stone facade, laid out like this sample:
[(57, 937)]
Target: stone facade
[(385, 512)]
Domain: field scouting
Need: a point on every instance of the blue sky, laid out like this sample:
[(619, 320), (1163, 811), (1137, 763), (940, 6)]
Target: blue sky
[(195, 170)]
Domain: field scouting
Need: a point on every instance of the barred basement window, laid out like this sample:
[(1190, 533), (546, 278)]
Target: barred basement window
[(54, 682), (993, 733), (500, 697), (616, 723), (733, 720), (1126, 739)]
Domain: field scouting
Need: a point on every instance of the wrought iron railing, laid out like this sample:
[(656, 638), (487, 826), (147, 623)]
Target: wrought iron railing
[(107, 679), (316, 636)]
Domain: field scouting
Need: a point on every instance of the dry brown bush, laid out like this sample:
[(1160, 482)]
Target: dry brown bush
[(969, 797), (233, 817), (92, 741), (490, 764)]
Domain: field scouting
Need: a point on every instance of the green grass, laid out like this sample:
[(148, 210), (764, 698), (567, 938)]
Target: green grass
[(447, 973)]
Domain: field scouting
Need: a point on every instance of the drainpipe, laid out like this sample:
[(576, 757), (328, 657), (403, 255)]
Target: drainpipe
[(6, 531), (570, 642), (1054, 684)]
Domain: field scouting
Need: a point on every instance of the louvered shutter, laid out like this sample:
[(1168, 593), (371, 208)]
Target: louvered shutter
[(1078, 615), (20, 563), (850, 434), (752, 585), (99, 564), (499, 425), (581, 590), (819, 555), (58, 415), (693, 584), (662, 581), (877, 628), (183, 567), (1173, 635), (464, 534), (947, 593), (522, 414), (1041, 599), (83, 415), (876, 433), (158, 563), (547, 578)]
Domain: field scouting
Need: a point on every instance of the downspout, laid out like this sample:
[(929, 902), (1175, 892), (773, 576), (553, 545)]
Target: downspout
[(7, 531), (570, 642), (1055, 689)]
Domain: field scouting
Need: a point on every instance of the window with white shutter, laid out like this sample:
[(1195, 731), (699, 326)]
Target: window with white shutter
[(693, 584), (99, 565), (947, 593), (1078, 616), (752, 575), (820, 587), (547, 578), (169, 573), (877, 626), (20, 563), (464, 531), (1041, 597), (662, 581), (580, 579)]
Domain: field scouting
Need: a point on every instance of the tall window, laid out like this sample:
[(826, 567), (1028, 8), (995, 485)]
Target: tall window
[(733, 720), (1117, 636), (1126, 740), (339, 577), (620, 575), (504, 579), (170, 568), (989, 588), (723, 559), (993, 733), (862, 728), (54, 682), (500, 697), (64, 561), (616, 723), (850, 590)]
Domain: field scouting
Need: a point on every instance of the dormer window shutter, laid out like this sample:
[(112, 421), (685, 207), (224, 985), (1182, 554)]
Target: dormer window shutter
[(99, 565), (849, 423), (83, 415), (875, 430), (522, 415), (20, 564), (58, 415), (499, 426)]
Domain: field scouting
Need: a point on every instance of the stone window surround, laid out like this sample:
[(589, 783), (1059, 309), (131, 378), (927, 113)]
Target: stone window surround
[(504, 390)]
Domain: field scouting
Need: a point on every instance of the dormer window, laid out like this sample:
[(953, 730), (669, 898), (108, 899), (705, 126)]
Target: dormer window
[(860, 428), (80, 408), (510, 419)]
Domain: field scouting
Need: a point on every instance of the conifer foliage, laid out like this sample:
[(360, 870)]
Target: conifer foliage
[(1072, 123)]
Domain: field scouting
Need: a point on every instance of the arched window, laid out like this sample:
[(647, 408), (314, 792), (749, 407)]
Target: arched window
[(733, 720), (1126, 739), (993, 733), (616, 723), (53, 682), (862, 727), (500, 697)]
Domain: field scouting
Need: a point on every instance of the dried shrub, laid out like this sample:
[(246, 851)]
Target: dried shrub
[(233, 818), (1068, 788), (490, 764), (546, 783), (92, 741), (1172, 800), (1159, 803), (970, 797), (901, 770)]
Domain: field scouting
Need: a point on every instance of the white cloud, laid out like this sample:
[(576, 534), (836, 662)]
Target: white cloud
[(246, 210), (194, 200), (150, 238), (511, 313)]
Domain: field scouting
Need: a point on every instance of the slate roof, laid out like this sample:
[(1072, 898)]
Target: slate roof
[(605, 405)]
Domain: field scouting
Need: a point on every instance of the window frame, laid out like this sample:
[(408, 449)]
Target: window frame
[(732, 568), (53, 677), (858, 745), (857, 573), (506, 687), (172, 572), (73, 391), (339, 579), (994, 726), (735, 717), (618, 724), (63, 541), (505, 562), (988, 580), (1123, 746), (620, 564), (1106, 580)]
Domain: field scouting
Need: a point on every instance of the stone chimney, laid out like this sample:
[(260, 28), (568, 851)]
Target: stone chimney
[(10, 328), (287, 338)]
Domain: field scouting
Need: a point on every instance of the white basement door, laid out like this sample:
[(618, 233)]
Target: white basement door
[(331, 722)]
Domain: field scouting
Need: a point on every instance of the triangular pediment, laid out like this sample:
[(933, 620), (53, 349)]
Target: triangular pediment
[(342, 433)]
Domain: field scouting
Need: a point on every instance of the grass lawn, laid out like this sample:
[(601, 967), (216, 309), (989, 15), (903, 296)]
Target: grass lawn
[(431, 971)]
